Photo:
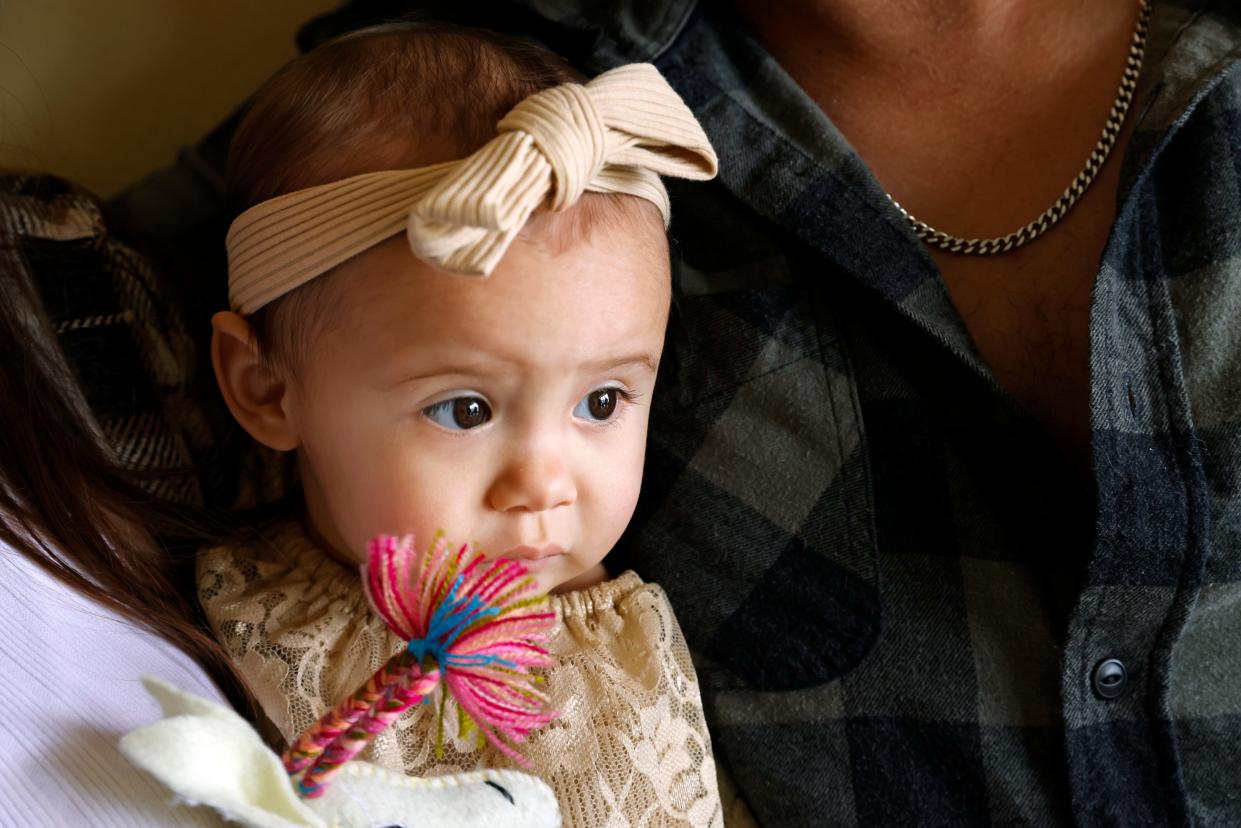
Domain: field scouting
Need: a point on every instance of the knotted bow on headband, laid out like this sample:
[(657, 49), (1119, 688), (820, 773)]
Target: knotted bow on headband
[(616, 134)]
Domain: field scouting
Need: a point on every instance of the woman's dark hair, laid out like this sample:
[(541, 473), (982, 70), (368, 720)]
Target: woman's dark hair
[(69, 506)]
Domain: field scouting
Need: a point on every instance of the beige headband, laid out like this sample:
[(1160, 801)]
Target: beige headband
[(616, 134)]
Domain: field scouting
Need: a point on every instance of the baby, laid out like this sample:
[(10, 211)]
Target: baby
[(509, 411)]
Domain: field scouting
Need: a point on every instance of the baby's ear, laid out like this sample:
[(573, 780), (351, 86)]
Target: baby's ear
[(257, 393)]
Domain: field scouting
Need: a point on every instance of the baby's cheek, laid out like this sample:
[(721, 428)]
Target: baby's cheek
[(435, 500), (619, 500), (385, 502)]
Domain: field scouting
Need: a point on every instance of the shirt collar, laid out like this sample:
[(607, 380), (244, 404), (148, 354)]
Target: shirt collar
[(622, 31), (1191, 46)]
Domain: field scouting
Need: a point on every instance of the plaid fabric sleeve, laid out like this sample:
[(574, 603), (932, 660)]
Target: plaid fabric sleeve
[(121, 334)]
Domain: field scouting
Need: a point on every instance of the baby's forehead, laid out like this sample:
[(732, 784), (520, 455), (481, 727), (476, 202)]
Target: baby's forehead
[(604, 293), (602, 265), (636, 219)]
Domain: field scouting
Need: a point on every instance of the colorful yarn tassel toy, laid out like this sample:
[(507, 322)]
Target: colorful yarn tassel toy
[(473, 627)]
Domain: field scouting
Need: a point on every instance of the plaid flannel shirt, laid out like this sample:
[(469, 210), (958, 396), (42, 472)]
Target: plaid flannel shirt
[(896, 604)]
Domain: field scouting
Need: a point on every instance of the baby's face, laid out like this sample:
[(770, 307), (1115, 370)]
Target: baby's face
[(510, 412)]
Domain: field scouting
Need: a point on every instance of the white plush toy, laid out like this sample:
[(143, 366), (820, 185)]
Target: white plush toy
[(474, 630), (208, 755)]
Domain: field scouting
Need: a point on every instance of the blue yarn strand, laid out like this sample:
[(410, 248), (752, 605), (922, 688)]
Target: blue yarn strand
[(448, 621)]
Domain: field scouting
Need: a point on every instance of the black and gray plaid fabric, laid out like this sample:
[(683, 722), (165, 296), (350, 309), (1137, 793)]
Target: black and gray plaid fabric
[(896, 604), (125, 344)]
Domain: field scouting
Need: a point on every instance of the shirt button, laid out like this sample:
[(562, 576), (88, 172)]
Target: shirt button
[(1110, 678)]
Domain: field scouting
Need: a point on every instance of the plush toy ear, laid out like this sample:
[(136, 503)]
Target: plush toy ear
[(208, 755), (176, 702)]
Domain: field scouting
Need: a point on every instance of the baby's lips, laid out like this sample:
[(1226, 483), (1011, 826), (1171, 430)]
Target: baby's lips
[(534, 557)]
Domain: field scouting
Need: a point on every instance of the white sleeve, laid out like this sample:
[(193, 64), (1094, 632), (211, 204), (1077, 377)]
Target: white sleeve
[(69, 682)]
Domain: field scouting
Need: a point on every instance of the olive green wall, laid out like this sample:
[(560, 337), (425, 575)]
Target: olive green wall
[(104, 91)]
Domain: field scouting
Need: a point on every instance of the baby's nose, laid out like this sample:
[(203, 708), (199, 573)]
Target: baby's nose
[(533, 482)]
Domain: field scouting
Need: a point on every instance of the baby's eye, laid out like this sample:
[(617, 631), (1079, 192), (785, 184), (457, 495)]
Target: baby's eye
[(459, 413), (599, 404)]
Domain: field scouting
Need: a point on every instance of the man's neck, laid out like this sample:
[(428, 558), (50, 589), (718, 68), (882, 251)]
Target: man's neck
[(861, 25), (945, 37), (953, 59)]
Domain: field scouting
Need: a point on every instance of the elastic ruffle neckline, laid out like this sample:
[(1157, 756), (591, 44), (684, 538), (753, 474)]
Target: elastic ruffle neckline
[(323, 577)]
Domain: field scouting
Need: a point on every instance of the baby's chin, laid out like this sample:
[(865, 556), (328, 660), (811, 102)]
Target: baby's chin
[(595, 575)]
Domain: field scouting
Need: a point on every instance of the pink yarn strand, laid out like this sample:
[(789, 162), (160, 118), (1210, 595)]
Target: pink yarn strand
[(374, 582), (404, 563)]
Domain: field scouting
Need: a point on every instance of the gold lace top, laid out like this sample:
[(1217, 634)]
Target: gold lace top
[(630, 746)]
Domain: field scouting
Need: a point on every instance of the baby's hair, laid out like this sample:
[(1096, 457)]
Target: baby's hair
[(392, 96)]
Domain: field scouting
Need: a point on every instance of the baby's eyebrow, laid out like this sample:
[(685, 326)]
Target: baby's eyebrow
[(646, 360), (446, 369), (607, 363)]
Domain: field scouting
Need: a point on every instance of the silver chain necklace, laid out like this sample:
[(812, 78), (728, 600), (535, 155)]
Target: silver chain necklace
[(1057, 211)]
